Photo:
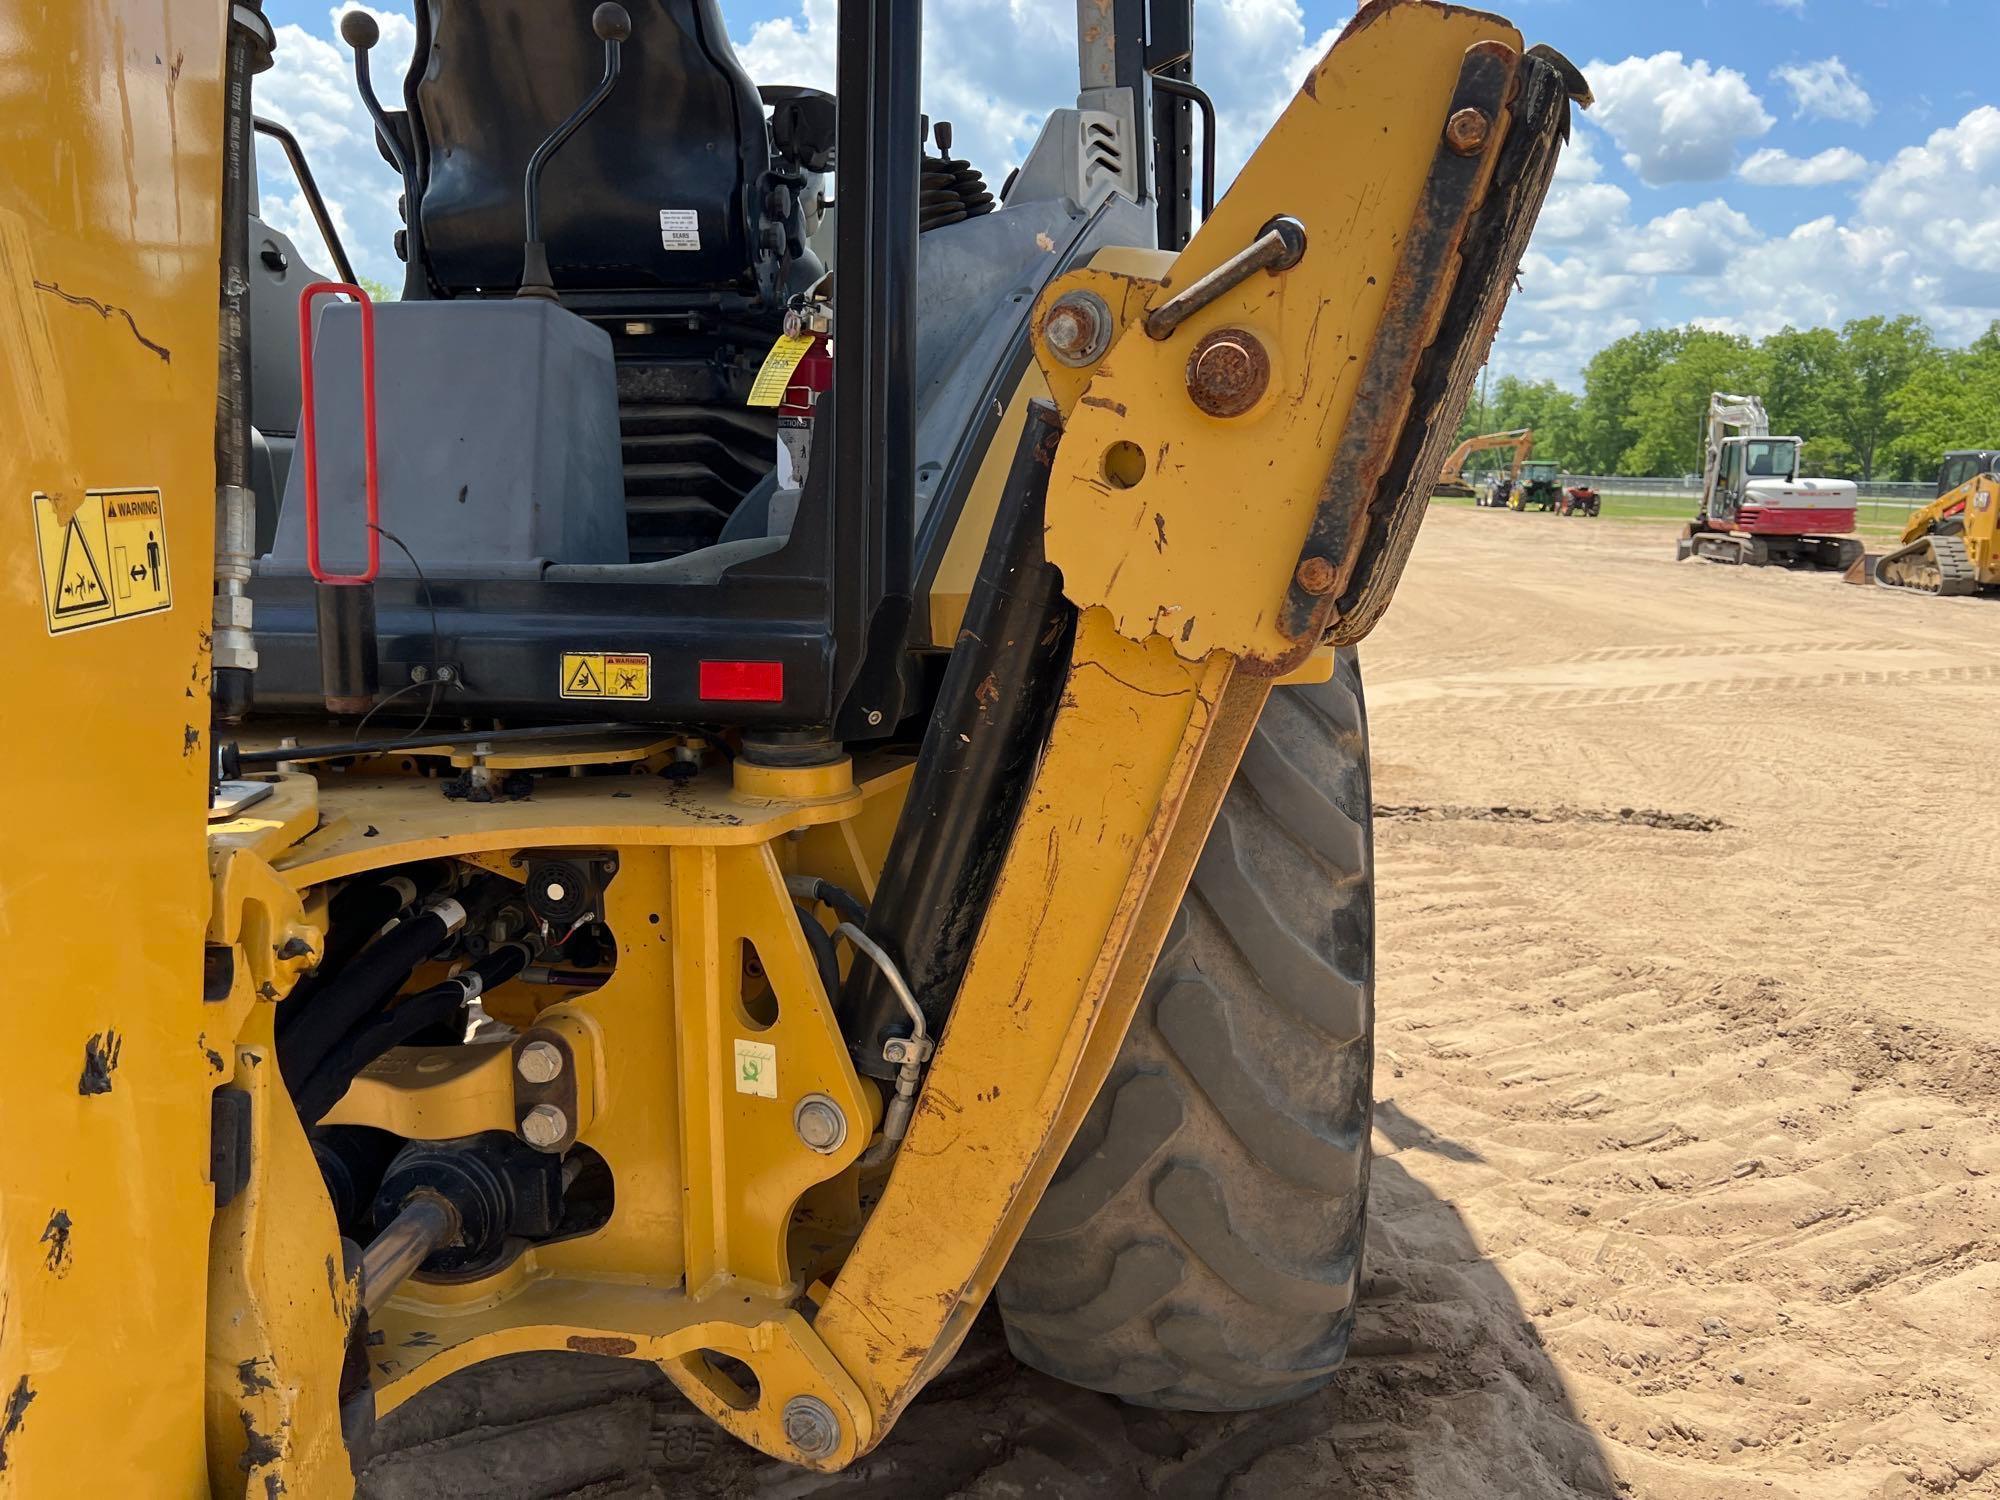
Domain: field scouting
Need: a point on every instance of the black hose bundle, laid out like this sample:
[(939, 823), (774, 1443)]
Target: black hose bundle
[(320, 1089)]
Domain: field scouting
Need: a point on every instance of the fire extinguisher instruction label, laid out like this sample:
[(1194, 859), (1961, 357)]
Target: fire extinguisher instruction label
[(680, 229), (103, 558), (776, 375)]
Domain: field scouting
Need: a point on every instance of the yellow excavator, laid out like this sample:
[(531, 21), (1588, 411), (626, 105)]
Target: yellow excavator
[(1952, 545), (1452, 480), (710, 787)]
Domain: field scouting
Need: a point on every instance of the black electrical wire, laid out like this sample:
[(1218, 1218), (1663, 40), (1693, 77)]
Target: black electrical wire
[(437, 646)]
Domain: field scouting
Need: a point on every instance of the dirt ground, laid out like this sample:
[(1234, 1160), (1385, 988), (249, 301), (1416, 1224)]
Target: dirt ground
[(1688, 1172)]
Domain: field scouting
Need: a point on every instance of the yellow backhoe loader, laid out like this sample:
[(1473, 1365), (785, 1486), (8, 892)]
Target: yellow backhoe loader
[(1451, 479), (709, 787), (1952, 545)]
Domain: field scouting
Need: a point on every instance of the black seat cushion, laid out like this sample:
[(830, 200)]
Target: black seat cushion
[(682, 132)]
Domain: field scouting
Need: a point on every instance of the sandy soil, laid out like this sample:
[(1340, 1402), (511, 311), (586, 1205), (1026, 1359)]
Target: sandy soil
[(1688, 1176), (1688, 1180)]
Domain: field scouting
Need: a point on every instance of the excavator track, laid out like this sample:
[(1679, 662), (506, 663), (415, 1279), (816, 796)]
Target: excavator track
[(1929, 565)]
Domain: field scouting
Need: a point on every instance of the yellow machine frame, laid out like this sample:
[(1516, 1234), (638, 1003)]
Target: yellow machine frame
[(1230, 557)]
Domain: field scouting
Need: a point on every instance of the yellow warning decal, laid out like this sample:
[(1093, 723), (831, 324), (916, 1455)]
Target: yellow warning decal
[(104, 558), (606, 674), (776, 375)]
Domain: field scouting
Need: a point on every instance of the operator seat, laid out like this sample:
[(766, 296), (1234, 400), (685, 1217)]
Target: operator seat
[(682, 134)]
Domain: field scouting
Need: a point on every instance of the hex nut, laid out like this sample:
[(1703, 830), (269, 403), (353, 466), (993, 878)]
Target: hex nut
[(820, 1123), (544, 1127), (540, 1062), (1465, 131), (811, 1427)]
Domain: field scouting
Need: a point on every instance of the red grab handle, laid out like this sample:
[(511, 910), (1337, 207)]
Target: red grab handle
[(308, 435)]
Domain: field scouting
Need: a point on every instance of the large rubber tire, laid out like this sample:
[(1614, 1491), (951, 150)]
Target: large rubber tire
[(1200, 1246)]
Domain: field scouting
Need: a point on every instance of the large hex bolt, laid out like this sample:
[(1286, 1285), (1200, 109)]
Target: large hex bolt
[(820, 1123), (1465, 132), (1228, 372), (811, 1427), (540, 1062), (544, 1127), (1077, 328)]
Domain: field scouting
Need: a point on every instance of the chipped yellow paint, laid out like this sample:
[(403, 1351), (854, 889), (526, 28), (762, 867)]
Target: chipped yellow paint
[(110, 183), (1166, 554)]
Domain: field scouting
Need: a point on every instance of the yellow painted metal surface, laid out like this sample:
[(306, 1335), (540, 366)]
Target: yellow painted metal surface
[(1166, 555), (1093, 829), (110, 180), (1975, 506)]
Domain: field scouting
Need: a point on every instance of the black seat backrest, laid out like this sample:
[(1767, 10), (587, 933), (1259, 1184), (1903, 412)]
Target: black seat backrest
[(683, 132)]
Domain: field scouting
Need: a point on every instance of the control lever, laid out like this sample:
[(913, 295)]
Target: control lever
[(613, 25), (359, 30)]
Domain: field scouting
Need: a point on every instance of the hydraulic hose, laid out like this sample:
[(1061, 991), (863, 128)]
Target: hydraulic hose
[(409, 1017), (826, 957), (986, 733), (363, 987), (358, 911)]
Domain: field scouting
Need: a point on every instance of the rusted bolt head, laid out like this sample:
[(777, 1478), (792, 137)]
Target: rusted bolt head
[(1077, 328), (1465, 131), (540, 1062), (1315, 575), (811, 1427), (1227, 372), (544, 1127)]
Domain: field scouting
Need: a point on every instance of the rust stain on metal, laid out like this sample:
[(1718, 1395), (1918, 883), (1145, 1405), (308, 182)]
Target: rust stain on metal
[(1228, 372), (1336, 546), (584, 1343), (1117, 408)]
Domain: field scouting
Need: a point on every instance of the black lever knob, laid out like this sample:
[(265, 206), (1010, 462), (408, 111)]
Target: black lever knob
[(359, 31), (611, 21)]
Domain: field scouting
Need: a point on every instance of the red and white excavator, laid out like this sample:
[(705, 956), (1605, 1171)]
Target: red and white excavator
[(1755, 506)]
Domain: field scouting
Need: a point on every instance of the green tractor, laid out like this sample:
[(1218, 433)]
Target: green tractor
[(1540, 486)]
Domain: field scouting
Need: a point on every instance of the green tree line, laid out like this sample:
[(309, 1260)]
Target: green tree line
[(1876, 399)]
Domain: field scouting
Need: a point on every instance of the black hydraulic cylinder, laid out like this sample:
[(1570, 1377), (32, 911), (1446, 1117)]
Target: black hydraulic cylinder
[(985, 736), (348, 679)]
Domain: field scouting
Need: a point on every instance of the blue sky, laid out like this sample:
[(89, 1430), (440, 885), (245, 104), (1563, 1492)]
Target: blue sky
[(1750, 162)]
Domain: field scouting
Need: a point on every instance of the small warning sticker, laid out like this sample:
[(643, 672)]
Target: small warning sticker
[(607, 674), (680, 229), (756, 1069), (776, 375), (103, 560)]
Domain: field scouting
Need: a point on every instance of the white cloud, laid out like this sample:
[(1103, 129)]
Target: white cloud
[(1825, 90), (1796, 7), (1945, 197), (1691, 241), (1581, 207), (1676, 121), (310, 87), (1774, 168)]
